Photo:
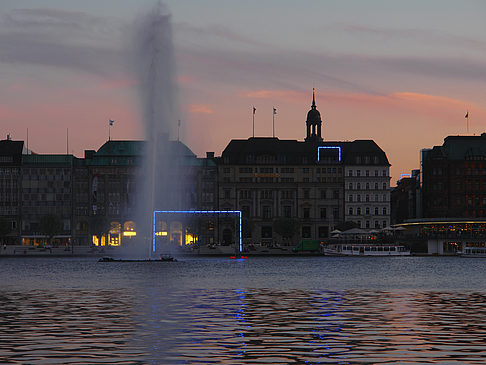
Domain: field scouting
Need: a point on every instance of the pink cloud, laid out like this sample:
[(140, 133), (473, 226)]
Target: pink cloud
[(200, 109), (287, 95), (185, 79), (394, 102)]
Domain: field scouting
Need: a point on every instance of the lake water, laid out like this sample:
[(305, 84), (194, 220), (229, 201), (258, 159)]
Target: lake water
[(264, 310)]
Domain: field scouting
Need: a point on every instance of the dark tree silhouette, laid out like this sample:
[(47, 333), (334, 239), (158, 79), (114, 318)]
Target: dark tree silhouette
[(5, 229), (50, 225)]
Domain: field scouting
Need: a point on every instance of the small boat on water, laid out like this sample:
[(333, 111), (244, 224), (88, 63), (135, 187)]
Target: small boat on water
[(365, 249), (473, 252), (163, 258)]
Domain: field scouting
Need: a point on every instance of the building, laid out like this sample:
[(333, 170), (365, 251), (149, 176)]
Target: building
[(286, 190), (94, 198), (10, 190), (367, 185), (406, 198), (311, 185), (454, 178), (46, 190)]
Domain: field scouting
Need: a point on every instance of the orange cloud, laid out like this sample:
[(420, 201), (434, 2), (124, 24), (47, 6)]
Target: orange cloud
[(200, 109), (419, 103)]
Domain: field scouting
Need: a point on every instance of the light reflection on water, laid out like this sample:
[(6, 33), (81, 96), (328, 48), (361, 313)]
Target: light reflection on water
[(261, 310), (251, 326)]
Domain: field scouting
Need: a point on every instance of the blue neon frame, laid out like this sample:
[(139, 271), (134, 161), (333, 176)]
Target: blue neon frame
[(200, 212), (405, 175), (328, 147)]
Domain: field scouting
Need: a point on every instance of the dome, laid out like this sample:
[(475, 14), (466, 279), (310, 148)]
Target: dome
[(313, 115)]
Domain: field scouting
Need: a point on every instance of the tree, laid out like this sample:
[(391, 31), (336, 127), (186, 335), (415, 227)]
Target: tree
[(5, 229), (50, 225), (286, 227), (344, 226)]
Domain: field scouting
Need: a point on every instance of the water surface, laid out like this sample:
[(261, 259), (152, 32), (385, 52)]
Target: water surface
[(262, 310)]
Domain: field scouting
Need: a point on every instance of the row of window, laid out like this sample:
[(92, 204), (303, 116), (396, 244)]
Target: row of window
[(437, 171), (287, 212), (284, 194), (284, 170), (367, 186), (367, 211), (366, 172), (34, 172), (367, 198), (9, 210)]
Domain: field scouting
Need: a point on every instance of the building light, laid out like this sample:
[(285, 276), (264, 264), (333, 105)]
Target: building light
[(129, 233), (328, 147)]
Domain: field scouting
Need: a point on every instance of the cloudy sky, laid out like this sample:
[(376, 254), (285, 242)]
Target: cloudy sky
[(403, 73)]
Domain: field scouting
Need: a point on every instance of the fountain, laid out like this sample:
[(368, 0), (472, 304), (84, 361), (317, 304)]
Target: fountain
[(159, 185)]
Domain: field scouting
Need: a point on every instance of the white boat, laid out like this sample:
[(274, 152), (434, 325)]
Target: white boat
[(365, 249), (473, 252)]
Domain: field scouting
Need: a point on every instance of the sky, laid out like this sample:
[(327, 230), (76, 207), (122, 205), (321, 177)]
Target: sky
[(403, 73)]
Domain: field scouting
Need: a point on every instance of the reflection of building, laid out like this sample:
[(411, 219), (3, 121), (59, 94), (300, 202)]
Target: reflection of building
[(454, 178), (314, 183)]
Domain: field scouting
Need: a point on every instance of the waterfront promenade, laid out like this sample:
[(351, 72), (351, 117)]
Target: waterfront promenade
[(22, 251)]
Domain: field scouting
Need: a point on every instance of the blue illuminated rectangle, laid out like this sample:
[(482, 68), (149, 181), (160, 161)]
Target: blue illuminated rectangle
[(405, 175), (328, 147), (238, 212)]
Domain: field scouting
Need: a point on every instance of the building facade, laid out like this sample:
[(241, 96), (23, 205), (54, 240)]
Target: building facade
[(10, 189), (454, 178), (287, 190), (311, 185)]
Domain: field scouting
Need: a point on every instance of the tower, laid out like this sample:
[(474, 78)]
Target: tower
[(313, 122)]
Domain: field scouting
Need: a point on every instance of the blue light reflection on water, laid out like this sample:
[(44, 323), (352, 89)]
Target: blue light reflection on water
[(304, 310)]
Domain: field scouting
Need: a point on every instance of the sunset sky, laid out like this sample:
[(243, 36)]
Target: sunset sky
[(403, 73)]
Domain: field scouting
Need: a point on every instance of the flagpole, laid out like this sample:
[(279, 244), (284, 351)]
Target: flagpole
[(253, 121), (467, 121), (273, 122)]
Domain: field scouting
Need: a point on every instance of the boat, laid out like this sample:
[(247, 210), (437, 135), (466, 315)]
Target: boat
[(161, 259), (473, 252), (365, 249)]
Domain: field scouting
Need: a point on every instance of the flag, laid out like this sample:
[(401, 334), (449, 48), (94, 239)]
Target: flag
[(254, 110), (467, 115), (274, 111), (111, 122)]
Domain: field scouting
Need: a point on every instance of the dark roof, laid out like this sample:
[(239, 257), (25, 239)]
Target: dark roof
[(11, 152), (123, 153), (121, 148), (48, 160), (363, 148), (457, 148), (261, 150), (10, 148)]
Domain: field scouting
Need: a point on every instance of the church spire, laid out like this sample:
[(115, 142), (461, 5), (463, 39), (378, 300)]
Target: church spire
[(313, 99)]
